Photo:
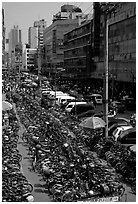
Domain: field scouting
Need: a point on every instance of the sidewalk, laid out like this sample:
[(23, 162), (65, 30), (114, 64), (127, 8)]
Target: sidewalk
[(39, 192)]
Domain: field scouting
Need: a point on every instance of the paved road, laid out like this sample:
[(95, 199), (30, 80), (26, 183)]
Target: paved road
[(40, 190), (126, 114)]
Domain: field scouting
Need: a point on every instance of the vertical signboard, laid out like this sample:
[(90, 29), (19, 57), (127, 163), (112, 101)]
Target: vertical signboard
[(54, 41)]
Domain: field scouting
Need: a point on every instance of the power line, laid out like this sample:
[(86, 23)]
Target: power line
[(88, 8), (80, 4), (75, 4)]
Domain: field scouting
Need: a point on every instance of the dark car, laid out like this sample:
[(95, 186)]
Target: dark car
[(115, 120), (118, 106), (128, 137), (86, 114), (81, 108)]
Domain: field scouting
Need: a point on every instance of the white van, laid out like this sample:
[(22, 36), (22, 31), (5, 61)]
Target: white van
[(97, 98), (72, 104), (57, 93), (65, 99)]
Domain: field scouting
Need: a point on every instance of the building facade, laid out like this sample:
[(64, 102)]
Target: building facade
[(15, 39), (33, 37), (53, 42), (41, 25), (3, 38), (77, 50), (29, 59), (121, 45)]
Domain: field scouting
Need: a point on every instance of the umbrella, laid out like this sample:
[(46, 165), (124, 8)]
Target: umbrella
[(6, 106), (93, 123)]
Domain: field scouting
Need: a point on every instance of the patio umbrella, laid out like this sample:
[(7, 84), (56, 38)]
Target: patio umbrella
[(6, 106), (93, 123)]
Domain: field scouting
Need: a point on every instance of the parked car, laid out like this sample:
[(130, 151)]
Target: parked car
[(119, 130), (72, 104), (128, 137), (81, 108), (86, 114), (98, 98), (118, 106), (114, 120), (114, 126)]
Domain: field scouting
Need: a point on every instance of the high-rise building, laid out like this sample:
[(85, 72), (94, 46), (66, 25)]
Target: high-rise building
[(15, 38), (33, 37), (3, 38), (41, 25)]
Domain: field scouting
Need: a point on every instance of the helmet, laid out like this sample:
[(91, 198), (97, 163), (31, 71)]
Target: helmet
[(30, 198), (46, 170), (38, 146), (65, 145)]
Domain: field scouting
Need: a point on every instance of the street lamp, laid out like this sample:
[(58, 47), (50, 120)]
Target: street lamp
[(39, 68)]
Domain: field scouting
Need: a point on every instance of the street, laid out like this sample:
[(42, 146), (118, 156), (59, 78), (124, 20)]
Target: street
[(126, 114)]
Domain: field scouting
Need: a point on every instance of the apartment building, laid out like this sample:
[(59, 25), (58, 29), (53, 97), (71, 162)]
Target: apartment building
[(33, 37)]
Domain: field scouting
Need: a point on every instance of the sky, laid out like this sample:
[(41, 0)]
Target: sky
[(24, 13)]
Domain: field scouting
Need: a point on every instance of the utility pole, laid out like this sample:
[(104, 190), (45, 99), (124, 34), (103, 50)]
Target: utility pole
[(109, 8), (55, 84), (39, 66), (106, 79)]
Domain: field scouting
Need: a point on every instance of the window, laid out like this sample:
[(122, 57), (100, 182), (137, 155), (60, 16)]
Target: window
[(130, 138)]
